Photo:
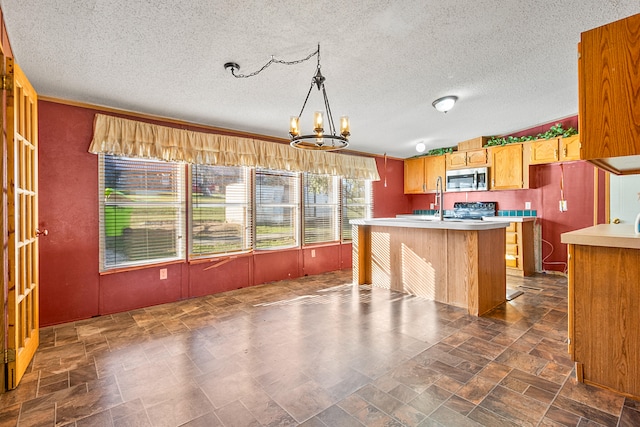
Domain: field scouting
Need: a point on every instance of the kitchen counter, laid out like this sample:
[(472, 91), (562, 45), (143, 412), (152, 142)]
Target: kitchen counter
[(456, 262), (604, 297), (428, 221), (606, 235)]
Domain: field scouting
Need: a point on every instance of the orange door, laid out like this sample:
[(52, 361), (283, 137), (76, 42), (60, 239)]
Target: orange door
[(22, 222)]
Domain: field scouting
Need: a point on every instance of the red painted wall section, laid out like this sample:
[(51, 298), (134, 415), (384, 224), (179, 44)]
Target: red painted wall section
[(139, 288), (319, 259), (270, 266), (71, 287), (68, 199), (220, 276), (389, 197)]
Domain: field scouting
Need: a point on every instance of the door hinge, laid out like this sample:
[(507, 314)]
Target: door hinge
[(9, 355), (6, 82)]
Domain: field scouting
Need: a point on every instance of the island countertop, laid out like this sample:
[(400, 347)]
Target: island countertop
[(606, 235), (432, 223)]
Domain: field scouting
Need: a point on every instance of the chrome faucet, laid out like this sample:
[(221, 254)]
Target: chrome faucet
[(440, 197)]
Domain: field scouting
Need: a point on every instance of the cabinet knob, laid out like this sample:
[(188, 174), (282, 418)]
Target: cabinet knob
[(616, 221)]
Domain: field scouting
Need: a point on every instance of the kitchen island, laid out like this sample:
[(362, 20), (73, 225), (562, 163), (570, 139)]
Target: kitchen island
[(604, 306), (456, 262)]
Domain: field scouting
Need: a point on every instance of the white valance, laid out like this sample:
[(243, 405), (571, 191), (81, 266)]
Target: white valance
[(131, 138)]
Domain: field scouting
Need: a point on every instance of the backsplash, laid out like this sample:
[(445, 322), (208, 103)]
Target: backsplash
[(525, 212)]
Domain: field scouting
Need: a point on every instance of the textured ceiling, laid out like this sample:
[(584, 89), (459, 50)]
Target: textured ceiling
[(512, 63)]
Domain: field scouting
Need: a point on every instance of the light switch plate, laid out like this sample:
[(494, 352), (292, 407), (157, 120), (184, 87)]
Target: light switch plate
[(527, 205), (163, 274), (563, 205)]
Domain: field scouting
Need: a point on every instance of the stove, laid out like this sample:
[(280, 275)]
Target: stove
[(472, 210)]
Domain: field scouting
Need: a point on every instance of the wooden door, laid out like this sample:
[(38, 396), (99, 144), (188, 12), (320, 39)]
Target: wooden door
[(414, 176), (22, 222), (570, 148), (506, 167), (544, 151), (434, 167)]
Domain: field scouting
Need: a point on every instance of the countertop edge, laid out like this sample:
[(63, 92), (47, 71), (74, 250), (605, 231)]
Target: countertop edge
[(447, 225), (604, 235)]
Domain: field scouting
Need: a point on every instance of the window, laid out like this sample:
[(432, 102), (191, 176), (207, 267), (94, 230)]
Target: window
[(141, 211), (357, 202), (321, 208), (277, 209), (220, 210)]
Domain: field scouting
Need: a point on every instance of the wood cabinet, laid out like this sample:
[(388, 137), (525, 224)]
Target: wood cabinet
[(603, 317), (414, 182), (544, 151), (520, 258), (555, 150), (467, 159), (421, 174), (608, 81), (570, 148), (508, 170)]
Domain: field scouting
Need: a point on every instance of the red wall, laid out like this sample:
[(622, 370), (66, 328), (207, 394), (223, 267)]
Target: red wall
[(71, 287)]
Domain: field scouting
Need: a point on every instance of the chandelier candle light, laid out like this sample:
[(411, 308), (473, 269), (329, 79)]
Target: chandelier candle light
[(319, 139)]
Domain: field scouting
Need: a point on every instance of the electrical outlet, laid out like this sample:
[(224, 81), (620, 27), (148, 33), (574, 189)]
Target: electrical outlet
[(313, 253), (432, 206), (163, 274), (527, 205), (563, 205)]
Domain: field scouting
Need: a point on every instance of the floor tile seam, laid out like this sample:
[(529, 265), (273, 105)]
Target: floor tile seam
[(502, 416)]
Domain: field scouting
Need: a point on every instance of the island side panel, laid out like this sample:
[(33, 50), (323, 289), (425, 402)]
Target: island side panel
[(419, 264), (361, 254), (462, 273), (605, 316), (492, 274)]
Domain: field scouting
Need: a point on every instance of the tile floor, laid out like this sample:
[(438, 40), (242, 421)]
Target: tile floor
[(318, 352)]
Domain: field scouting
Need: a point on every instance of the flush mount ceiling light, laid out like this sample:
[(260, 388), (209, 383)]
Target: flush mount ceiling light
[(445, 103), (319, 139), (420, 147)]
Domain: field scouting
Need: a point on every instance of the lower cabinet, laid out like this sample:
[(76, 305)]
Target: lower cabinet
[(520, 257), (603, 316)]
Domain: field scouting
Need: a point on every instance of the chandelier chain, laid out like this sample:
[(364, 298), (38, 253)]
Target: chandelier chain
[(276, 61)]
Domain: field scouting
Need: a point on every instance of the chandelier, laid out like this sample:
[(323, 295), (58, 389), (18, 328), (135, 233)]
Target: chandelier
[(320, 138)]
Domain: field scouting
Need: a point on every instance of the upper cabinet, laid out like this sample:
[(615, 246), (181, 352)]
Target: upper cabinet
[(467, 159), (508, 170), (555, 150), (421, 174), (414, 176), (608, 85)]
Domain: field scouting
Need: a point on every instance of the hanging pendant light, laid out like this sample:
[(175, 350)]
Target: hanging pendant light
[(319, 139)]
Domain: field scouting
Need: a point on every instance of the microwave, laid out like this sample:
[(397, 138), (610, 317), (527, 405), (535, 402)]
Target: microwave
[(475, 179)]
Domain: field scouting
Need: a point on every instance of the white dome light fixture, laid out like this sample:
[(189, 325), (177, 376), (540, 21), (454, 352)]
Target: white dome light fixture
[(420, 147), (445, 103)]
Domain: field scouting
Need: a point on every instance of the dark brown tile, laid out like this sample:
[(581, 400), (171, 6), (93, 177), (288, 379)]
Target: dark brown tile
[(514, 406), (356, 353), (336, 416), (585, 411), (629, 417), (236, 415)]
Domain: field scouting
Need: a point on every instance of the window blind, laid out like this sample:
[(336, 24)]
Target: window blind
[(321, 208), (141, 211), (357, 203), (277, 204), (220, 210)]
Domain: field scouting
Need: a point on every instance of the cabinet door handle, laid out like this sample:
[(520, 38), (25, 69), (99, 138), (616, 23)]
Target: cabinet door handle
[(564, 151), (555, 154)]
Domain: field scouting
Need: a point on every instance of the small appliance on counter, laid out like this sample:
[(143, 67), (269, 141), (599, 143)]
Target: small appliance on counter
[(472, 210)]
